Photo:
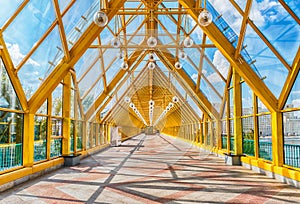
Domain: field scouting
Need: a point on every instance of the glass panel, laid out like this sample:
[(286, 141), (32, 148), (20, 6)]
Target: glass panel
[(72, 128), (278, 26), (215, 136), (112, 71), (63, 4), (261, 107), (224, 134), (293, 100), (43, 109), (231, 104), (247, 100), (218, 60), (79, 135), (8, 96), (248, 135), (241, 3), (57, 103), (40, 138), (210, 94), (78, 18), (7, 9), (41, 63), (86, 61), (208, 133), (194, 106), (265, 137), (231, 124), (90, 78), (229, 14), (11, 139), (294, 5), (92, 95), (291, 139), (39, 16), (264, 62), (56, 140)]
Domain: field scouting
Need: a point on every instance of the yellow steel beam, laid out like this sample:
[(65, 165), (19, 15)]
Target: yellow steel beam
[(289, 81), (243, 29), (119, 86), (237, 112), (66, 140), (112, 84), (76, 52), (169, 61), (245, 71), (61, 29), (277, 139), (12, 74)]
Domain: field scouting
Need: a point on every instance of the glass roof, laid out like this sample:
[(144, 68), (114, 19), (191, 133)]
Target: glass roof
[(43, 38)]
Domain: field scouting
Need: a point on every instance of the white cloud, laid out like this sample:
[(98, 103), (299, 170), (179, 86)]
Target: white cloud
[(221, 63), (17, 56)]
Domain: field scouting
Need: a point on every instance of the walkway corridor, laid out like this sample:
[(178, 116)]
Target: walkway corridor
[(152, 169)]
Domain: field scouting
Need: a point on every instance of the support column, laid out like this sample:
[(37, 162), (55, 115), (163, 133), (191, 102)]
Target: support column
[(66, 115), (237, 111), (277, 139), (28, 141)]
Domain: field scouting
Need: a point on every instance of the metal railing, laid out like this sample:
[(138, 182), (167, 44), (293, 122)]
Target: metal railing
[(10, 156)]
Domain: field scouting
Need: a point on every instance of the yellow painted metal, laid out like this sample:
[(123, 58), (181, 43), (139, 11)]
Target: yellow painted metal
[(76, 52), (61, 29), (243, 29), (12, 75), (66, 141), (49, 125), (245, 71), (255, 126), (237, 111), (289, 81), (28, 140), (277, 138), (113, 83), (169, 61)]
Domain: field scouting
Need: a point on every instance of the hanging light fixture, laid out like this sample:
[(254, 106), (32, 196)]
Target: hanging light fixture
[(151, 103), (127, 99), (171, 105), (175, 99), (124, 65), (205, 17), (151, 65), (116, 42), (151, 56), (188, 41), (182, 55), (178, 65), (100, 17), (152, 41)]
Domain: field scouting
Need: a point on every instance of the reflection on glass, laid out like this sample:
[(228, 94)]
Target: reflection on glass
[(293, 100), (291, 139), (40, 138), (248, 135), (265, 137), (79, 135), (224, 134), (57, 103), (8, 96), (56, 140), (11, 139), (247, 99)]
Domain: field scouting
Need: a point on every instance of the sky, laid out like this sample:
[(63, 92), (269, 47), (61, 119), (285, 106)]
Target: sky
[(268, 15)]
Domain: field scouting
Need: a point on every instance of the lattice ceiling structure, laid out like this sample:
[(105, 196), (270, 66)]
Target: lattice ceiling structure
[(44, 41)]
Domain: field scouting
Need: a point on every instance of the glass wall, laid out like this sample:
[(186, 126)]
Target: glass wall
[(11, 138), (265, 137), (40, 138)]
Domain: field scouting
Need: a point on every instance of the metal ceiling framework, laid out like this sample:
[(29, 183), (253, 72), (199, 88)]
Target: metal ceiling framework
[(135, 54)]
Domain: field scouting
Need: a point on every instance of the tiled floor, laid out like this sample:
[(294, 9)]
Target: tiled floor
[(153, 169)]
